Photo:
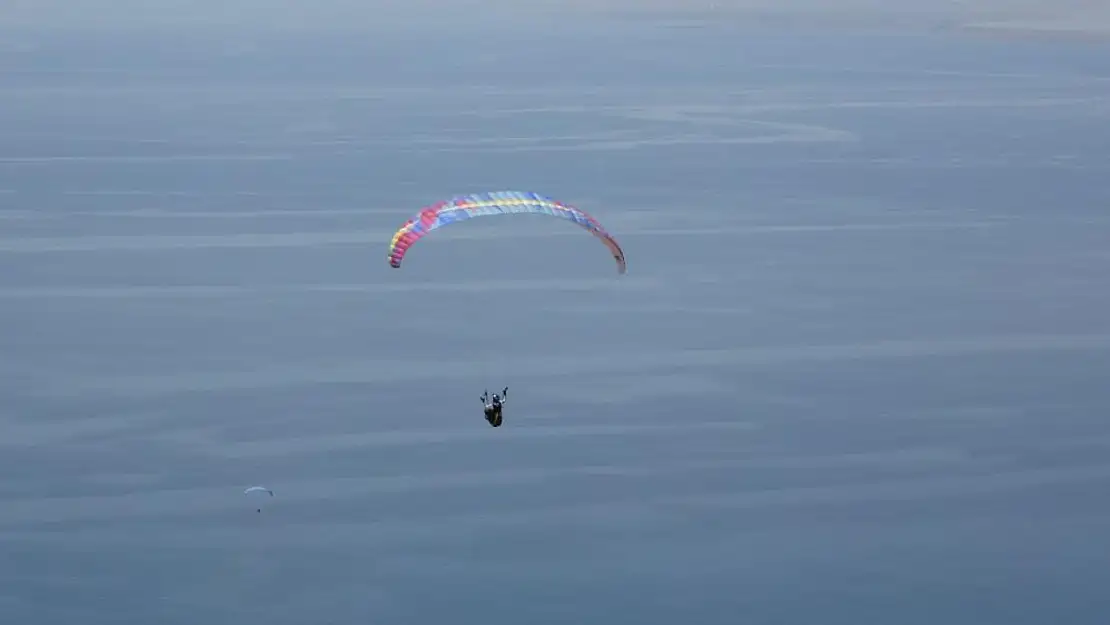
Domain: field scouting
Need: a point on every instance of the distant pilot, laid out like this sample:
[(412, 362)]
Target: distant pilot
[(493, 406)]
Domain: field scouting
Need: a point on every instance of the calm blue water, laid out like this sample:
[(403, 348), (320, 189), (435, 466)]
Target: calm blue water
[(855, 373)]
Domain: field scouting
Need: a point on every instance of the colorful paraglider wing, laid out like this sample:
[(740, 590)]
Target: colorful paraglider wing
[(490, 204)]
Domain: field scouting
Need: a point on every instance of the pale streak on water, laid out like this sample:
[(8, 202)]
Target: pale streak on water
[(856, 372)]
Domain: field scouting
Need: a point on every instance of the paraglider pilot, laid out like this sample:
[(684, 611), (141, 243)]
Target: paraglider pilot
[(494, 405)]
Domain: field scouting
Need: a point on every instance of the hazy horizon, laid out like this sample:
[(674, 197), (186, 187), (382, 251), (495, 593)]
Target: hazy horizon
[(1080, 16)]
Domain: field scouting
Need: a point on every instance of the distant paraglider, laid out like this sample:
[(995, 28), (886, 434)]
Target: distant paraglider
[(258, 491), (490, 204)]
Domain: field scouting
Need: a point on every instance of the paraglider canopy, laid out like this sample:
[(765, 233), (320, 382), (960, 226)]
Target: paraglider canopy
[(491, 204)]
